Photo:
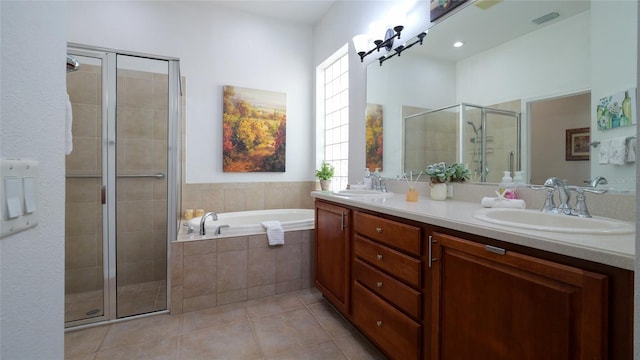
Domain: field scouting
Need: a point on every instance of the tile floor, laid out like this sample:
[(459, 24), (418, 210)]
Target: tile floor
[(296, 325)]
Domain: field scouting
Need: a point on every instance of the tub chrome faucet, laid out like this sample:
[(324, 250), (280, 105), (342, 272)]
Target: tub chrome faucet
[(213, 215), (563, 192)]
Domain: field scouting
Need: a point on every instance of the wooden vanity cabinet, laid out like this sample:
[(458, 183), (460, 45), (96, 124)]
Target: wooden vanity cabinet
[(489, 303), (418, 291), (387, 284), (333, 254)]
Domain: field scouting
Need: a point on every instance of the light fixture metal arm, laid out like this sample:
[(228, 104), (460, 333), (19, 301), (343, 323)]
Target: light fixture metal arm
[(386, 43)]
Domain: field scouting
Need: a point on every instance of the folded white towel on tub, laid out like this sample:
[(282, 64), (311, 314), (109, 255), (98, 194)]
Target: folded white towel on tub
[(275, 234), (497, 202)]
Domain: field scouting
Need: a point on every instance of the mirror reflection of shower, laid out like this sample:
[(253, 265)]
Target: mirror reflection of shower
[(478, 168)]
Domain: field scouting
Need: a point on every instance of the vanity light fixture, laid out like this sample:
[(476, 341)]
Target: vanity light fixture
[(398, 50), (458, 44), (360, 42)]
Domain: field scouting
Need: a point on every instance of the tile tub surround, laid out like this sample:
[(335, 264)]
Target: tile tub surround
[(213, 272), (230, 197)]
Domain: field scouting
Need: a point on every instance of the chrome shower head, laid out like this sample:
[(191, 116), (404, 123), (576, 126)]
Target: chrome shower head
[(475, 129)]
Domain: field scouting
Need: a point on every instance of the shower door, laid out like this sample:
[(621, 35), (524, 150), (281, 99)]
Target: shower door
[(120, 231), (86, 235)]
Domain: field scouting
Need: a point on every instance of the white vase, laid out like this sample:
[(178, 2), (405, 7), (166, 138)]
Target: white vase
[(438, 191), (325, 185)]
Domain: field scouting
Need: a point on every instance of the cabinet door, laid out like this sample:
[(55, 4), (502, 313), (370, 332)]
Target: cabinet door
[(333, 254), (490, 304)]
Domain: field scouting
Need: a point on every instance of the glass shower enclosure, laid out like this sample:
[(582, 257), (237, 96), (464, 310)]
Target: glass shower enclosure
[(486, 139), (122, 183)]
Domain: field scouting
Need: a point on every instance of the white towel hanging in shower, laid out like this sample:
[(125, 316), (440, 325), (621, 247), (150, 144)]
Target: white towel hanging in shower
[(68, 125)]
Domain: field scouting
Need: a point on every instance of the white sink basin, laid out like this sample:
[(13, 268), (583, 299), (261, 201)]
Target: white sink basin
[(363, 192), (536, 220)]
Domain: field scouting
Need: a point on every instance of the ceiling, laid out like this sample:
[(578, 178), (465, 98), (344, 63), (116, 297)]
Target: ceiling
[(306, 12), (484, 29)]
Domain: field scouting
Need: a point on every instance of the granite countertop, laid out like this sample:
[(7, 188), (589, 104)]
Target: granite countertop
[(614, 250)]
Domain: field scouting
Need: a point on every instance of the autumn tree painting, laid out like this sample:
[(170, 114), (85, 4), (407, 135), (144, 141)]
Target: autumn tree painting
[(254, 130), (374, 136)]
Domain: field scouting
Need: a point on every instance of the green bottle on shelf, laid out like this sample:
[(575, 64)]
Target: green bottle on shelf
[(626, 108)]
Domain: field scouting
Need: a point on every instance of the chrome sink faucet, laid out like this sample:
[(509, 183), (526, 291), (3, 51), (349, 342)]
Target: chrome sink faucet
[(552, 184), (213, 215), (563, 193)]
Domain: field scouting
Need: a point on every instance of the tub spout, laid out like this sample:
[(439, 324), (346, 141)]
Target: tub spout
[(213, 215)]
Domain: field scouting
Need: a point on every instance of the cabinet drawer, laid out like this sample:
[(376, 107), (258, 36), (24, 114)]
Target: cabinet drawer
[(395, 333), (393, 262), (397, 293), (402, 236)]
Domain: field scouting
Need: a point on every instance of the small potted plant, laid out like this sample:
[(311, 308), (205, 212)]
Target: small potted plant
[(459, 173), (439, 174), (324, 174)]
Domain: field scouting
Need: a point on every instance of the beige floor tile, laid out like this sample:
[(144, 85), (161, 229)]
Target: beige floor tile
[(220, 315), (234, 341), (357, 348), (81, 357), (288, 331), (330, 320), (165, 349), (310, 296), (142, 330), (323, 351), (273, 304), (83, 342)]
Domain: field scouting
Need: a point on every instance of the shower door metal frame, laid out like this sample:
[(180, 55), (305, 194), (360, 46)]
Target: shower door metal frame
[(109, 112), (108, 305)]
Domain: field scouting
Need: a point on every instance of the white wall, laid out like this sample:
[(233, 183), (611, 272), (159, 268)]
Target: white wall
[(612, 74), (217, 46), (32, 126)]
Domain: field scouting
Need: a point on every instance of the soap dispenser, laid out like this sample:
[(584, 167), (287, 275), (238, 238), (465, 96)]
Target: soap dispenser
[(505, 188), (367, 178)]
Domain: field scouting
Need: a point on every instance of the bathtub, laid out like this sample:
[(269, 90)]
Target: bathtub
[(249, 222)]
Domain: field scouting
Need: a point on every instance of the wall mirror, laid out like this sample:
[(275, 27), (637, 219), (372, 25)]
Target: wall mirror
[(518, 57)]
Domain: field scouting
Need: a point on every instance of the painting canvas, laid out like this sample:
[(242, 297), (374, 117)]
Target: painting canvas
[(440, 7), (374, 136), (617, 110), (577, 144), (254, 130)]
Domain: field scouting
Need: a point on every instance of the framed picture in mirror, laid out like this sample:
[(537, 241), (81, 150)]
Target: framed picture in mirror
[(577, 144), (441, 7)]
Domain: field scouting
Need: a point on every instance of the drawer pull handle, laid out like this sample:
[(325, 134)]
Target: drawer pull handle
[(379, 256), (379, 230), (379, 284), (379, 323)]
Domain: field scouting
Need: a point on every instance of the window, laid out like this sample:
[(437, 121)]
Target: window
[(333, 115)]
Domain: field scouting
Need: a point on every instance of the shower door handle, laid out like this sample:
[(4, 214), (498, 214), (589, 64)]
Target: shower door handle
[(158, 176), (103, 195)]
